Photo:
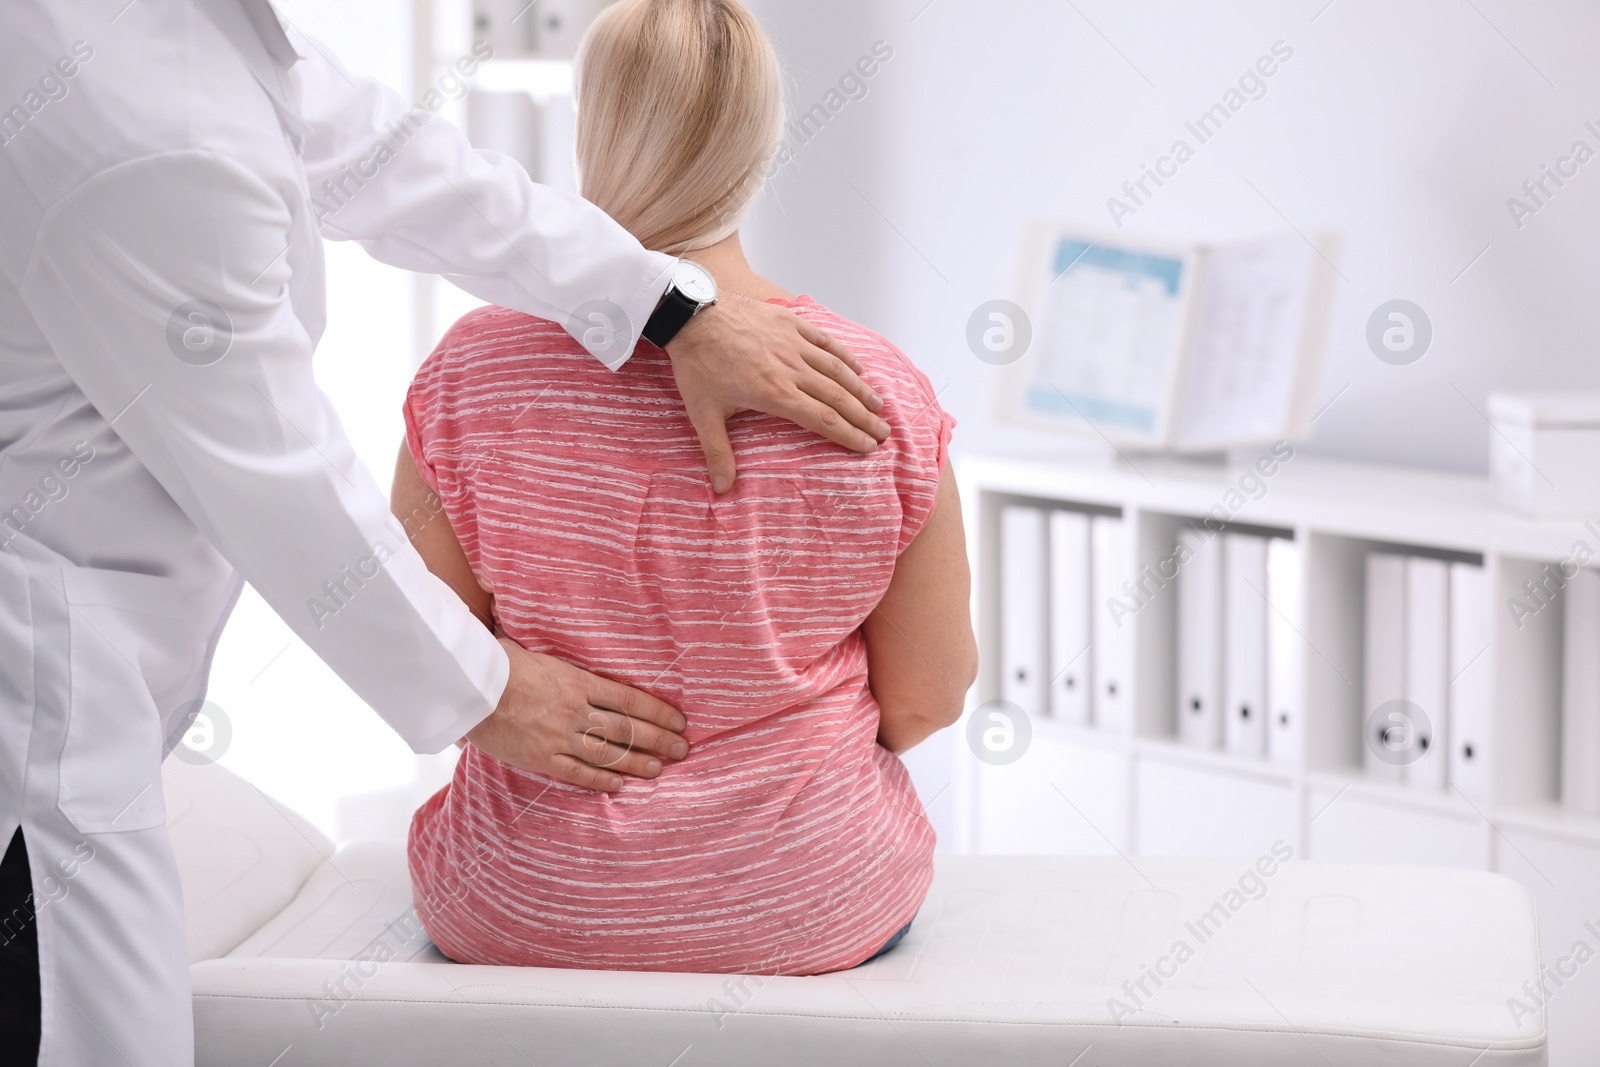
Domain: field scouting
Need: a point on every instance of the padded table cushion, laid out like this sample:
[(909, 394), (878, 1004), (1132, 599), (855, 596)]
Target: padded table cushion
[(1012, 961)]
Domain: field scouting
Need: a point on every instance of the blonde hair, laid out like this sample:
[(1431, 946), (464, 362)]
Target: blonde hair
[(680, 108)]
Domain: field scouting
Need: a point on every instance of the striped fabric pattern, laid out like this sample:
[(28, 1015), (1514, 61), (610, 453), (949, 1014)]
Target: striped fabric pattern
[(789, 841)]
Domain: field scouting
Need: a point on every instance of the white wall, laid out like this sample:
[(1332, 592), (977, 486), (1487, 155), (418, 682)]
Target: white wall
[(1406, 126)]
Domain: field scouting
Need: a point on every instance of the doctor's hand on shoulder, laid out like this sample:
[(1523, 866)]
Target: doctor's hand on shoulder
[(741, 354)]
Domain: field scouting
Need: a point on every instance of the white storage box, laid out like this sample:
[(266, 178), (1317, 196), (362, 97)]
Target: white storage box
[(1544, 451)]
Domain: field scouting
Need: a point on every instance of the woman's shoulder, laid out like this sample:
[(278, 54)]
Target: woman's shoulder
[(495, 350), (914, 455), (491, 331), (485, 361), (905, 389)]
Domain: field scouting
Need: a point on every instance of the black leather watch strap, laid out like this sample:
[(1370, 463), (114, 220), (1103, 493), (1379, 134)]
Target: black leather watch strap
[(670, 316)]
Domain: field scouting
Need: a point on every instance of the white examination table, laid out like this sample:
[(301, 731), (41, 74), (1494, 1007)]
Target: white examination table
[(308, 954)]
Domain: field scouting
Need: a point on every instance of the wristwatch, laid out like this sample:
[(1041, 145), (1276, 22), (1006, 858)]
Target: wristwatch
[(692, 289)]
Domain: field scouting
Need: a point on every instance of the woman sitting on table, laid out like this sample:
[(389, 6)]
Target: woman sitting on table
[(810, 624)]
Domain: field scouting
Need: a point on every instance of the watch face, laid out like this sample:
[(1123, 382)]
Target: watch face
[(694, 282)]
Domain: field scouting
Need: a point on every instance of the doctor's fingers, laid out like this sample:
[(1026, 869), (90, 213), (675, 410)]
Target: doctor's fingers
[(844, 419), (615, 759), (831, 382), (829, 355), (572, 769), (711, 426), (604, 726), (605, 694), (822, 394)]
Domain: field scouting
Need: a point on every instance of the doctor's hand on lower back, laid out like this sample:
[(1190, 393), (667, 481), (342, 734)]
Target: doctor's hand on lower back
[(742, 354), (560, 720)]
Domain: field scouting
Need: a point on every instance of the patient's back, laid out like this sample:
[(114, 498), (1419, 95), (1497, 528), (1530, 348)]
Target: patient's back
[(788, 841)]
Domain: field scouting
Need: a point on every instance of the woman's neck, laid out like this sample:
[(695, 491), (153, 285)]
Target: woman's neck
[(725, 260)]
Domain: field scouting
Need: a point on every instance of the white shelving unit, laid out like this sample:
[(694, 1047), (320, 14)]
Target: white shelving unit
[(1082, 789), (519, 102)]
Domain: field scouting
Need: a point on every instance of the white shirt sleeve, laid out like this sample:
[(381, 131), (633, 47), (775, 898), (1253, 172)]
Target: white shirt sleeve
[(410, 188), (247, 445)]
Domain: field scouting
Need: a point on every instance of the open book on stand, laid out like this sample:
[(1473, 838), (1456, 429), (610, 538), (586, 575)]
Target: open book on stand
[(1163, 347)]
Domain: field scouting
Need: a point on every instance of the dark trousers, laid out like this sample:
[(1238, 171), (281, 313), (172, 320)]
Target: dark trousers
[(19, 958)]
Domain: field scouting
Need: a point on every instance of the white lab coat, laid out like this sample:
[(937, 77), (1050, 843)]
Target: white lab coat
[(156, 154)]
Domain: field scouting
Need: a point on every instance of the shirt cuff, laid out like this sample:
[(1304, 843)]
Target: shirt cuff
[(640, 305), (486, 662)]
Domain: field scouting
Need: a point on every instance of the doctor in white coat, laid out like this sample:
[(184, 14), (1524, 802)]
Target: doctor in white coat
[(168, 171)]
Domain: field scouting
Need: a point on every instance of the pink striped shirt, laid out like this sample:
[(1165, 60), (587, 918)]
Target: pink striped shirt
[(789, 841)]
